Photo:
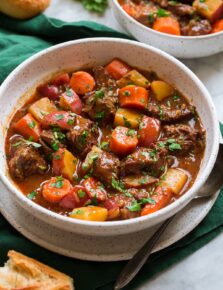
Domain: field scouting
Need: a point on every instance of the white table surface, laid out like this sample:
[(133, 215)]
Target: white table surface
[(203, 269)]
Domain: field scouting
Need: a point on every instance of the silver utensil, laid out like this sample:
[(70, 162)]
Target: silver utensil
[(211, 186)]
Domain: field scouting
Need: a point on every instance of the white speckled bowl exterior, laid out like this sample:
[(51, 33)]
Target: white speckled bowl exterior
[(178, 46), (84, 53)]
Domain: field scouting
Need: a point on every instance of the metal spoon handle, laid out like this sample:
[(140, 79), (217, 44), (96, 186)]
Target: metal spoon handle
[(135, 264)]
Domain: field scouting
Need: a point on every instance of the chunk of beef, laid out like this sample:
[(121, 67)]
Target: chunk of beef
[(139, 194), (25, 160), (152, 160), (180, 9), (83, 136), (184, 135), (167, 115), (196, 27), (49, 138), (106, 167), (124, 202), (102, 78), (101, 104)]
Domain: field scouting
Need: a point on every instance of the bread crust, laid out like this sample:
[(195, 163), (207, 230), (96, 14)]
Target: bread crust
[(39, 276), (23, 9)]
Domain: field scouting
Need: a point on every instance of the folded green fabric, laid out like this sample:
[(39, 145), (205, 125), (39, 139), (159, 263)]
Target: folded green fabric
[(18, 41)]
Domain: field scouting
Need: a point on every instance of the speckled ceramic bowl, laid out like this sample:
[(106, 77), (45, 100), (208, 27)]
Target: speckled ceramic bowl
[(178, 46), (88, 52)]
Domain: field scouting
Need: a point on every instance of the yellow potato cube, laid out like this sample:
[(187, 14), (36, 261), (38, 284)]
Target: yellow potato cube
[(41, 108), (127, 118), (134, 77), (174, 179), (90, 213), (161, 90)]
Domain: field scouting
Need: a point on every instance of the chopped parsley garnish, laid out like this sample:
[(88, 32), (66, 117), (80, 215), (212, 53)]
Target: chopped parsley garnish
[(126, 122), (55, 145), (175, 146), (201, 1), (176, 98), (70, 122), (95, 5), (162, 13), (135, 206), (83, 137), (161, 144), (77, 211), (17, 144), (57, 157), (59, 117), (99, 115), (128, 194), (32, 124), (160, 112), (153, 154), (69, 93), (147, 200), (99, 94), (59, 182), (104, 145), (131, 133), (151, 18), (127, 93), (81, 193), (118, 185), (32, 194)]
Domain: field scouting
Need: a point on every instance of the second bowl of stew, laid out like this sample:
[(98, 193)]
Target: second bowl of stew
[(103, 142), (185, 29)]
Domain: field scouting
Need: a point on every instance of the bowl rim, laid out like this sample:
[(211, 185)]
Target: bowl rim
[(162, 34), (184, 199)]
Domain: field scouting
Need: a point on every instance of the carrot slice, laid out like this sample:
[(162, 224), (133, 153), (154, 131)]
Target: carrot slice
[(162, 197), (117, 69), (217, 26), (28, 127), (55, 189), (167, 25), (123, 140), (133, 97), (82, 82)]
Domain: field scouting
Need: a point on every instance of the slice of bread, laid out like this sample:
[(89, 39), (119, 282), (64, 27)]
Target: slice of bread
[(23, 273), (23, 9)]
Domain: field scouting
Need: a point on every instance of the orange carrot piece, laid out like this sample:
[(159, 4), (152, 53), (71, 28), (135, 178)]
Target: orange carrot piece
[(123, 140), (217, 26), (133, 97), (117, 69), (55, 189), (28, 127), (162, 198), (167, 25), (82, 82)]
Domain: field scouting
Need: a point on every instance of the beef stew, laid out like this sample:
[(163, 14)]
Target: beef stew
[(106, 143)]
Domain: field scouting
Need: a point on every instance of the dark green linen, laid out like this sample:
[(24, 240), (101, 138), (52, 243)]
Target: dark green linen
[(18, 41)]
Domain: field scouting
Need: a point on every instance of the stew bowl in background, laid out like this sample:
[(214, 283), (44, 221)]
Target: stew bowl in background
[(178, 46), (86, 53)]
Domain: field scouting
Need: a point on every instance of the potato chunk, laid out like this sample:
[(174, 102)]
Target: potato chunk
[(134, 77), (210, 9), (174, 179), (90, 213), (161, 90), (127, 118), (90, 158), (41, 108), (64, 163)]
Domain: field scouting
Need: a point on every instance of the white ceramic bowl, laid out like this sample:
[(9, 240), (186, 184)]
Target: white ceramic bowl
[(178, 46), (84, 53)]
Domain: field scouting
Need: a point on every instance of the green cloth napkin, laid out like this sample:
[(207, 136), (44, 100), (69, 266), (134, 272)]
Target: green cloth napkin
[(18, 41)]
